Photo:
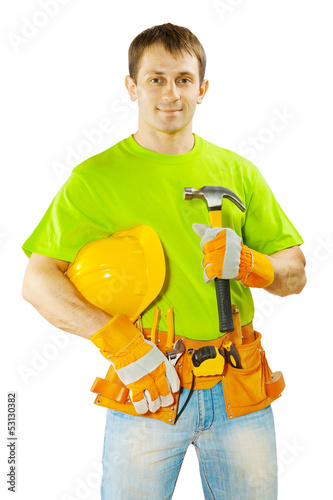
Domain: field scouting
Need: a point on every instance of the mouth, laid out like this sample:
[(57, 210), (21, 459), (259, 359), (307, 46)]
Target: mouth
[(170, 111)]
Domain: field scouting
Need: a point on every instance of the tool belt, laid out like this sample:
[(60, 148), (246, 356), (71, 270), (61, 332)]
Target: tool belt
[(247, 389)]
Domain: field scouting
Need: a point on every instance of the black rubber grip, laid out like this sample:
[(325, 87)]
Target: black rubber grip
[(224, 305), (202, 354), (233, 357)]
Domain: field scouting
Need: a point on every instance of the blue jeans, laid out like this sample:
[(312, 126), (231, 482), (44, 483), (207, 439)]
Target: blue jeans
[(237, 457)]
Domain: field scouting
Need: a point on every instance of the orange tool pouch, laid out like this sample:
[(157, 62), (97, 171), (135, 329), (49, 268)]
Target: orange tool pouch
[(251, 388)]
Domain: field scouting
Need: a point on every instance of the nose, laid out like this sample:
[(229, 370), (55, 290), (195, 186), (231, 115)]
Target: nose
[(170, 92)]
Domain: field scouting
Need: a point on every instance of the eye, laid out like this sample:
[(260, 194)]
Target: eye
[(184, 80), (155, 80)]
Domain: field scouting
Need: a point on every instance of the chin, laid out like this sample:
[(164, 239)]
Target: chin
[(172, 127)]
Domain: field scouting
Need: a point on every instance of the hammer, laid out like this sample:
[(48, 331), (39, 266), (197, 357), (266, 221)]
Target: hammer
[(214, 195)]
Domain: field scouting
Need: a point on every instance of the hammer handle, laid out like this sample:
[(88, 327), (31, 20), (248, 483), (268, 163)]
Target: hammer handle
[(222, 286), (224, 305)]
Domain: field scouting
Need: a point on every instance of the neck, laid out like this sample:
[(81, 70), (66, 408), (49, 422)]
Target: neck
[(164, 142)]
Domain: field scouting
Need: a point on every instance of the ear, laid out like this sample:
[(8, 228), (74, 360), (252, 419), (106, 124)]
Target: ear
[(202, 91), (131, 88)]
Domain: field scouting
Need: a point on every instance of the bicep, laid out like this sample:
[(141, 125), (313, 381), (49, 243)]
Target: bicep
[(40, 266), (43, 262)]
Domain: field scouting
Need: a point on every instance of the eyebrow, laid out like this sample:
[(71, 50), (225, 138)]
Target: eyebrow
[(163, 73)]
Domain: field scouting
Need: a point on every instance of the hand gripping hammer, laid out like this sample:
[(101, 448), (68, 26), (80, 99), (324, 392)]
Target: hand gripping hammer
[(214, 195)]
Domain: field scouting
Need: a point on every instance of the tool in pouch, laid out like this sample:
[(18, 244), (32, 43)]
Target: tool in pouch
[(209, 360), (178, 350), (173, 356), (206, 361), (213, 195)]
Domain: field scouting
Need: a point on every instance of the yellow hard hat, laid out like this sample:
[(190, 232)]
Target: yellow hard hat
[(121, 274)]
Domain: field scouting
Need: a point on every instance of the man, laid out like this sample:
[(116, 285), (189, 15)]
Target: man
[(141, 180)]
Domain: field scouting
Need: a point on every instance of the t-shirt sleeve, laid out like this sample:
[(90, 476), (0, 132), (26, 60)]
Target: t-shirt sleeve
[(267, 229), (75, 217)]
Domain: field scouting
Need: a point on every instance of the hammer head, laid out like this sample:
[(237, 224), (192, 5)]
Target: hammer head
[(213, 195)]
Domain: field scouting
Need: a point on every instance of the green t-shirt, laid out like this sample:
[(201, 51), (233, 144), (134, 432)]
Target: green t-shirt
[(128, 185)]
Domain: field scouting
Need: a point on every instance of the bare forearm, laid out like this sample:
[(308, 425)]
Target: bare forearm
[(58, 301), (289, 272)]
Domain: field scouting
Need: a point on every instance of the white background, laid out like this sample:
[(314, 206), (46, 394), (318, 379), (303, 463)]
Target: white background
[(62, 75)]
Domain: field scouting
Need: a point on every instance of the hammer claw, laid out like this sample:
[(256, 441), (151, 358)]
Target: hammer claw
[(213, 195)]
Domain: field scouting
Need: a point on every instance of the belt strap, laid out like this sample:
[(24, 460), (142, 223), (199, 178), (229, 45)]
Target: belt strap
[(113, 388), (184, 365)]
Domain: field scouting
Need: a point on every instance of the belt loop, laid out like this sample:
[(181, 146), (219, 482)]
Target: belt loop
[(236, 335)]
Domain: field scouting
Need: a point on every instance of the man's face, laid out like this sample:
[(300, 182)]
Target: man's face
[(168, 89)]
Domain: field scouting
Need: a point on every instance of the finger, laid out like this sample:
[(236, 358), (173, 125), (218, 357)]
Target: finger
[(213, 258), (217, 243), (210, 235), (160, 380), (163, 383), (167, 400), (153, 405), (200, 229), (172, 377), (138, 388), (140, 404), (208, 274)]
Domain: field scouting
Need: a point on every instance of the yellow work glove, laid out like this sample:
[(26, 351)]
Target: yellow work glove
[(226, 257), (140, 365)]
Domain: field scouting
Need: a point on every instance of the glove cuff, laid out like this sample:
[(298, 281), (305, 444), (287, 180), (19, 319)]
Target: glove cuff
[(255, 270), (116, 336)]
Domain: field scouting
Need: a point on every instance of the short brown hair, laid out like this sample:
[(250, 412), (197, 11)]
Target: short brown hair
[(175, 39)]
